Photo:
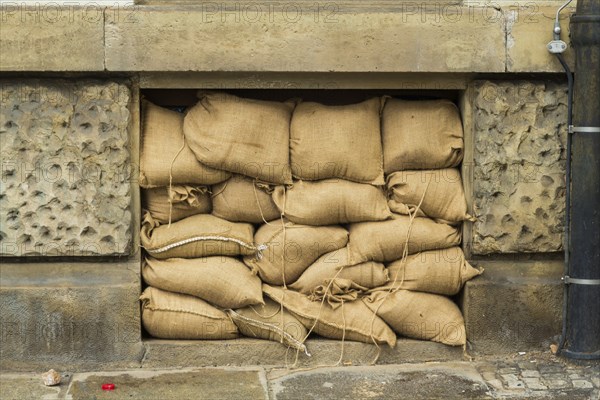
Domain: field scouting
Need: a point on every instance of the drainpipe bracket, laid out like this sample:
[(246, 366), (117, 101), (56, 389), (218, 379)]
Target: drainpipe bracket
[(584, 129), (576, 281)]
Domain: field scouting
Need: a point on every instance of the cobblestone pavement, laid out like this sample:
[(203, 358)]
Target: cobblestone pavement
[(540, 375)]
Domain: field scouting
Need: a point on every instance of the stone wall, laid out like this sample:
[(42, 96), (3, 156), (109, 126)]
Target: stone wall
[(349, 36), (65, 187), (518, 168)]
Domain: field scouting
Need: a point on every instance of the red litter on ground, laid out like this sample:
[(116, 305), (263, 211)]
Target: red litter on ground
[(108, 386)]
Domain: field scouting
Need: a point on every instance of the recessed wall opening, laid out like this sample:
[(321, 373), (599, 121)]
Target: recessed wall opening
[(335, 293)]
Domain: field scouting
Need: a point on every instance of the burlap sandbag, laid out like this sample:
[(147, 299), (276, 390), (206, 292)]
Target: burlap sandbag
[(272, 322), (337, 291), (384, 241), (335, 264), (245, 136), (178, 202), (162, 142), (200, 235), (337, 142), (435, 271), (352, 320), (291, 248), (441, 190), (223, 281), (240, 199), (330, 202), (421, 135), (420, 315), (167, 315)]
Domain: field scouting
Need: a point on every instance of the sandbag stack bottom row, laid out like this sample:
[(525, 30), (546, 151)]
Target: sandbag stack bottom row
[(278, 219)]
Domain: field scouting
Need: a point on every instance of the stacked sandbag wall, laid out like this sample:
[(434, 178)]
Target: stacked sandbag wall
[(278, 220)]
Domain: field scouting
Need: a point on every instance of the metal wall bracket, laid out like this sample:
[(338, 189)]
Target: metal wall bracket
[(575, 281), (556, 47), (584, 129)]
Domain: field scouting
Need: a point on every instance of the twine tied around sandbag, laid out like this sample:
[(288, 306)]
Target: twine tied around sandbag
[(412, 217), (171, 176), (340, 290)]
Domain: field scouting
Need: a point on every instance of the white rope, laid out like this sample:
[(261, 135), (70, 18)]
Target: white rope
[(203, 238)]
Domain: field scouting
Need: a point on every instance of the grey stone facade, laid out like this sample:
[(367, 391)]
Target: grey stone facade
[(65, 187), (519, 162)]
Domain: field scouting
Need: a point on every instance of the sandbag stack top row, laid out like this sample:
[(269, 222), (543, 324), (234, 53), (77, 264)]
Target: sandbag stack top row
[(275, 141)]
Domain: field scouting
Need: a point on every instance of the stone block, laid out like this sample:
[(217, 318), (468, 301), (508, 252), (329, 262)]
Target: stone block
[(69, 316), (171, 385), (248, 352), (66, 165), (529, 28), (371, 36), (306, 37), (414, 381), (40, 36), (518, 178), (513, 306)]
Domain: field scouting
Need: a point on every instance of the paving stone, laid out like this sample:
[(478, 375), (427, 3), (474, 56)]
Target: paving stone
[(30, 386), (556, 383), (526, 365), (488, 375), (164, 385), (417, 381), (534, 384), (582, 384), (530, 374), (512, 381), (495, 383), (549, 369), (508, 370)]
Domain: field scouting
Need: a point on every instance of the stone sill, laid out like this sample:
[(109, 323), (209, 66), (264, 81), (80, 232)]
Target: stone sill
[(343, 38), (252, 352)]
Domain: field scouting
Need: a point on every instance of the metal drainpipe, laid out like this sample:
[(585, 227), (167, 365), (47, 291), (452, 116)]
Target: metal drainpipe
[(583, 300)]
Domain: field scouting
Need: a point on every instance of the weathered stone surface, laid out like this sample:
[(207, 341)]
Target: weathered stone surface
[(171, 385), (40, 36), (29, 386), (529, 28), (76, 316), (246, 352), (518, 170), (65, 187), (513, 306), (365, 36), (414, 381), (305, 36)]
